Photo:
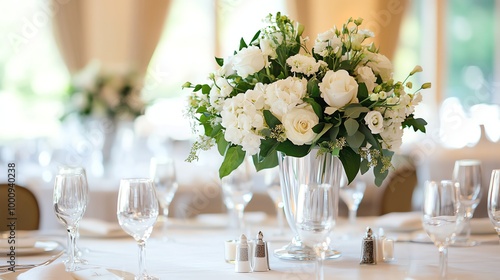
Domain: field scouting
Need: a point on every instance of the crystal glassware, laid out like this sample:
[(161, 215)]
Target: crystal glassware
[(467, 173), (137, 211), (70, 199), (441, 217), (273, 188), (494, 200), (352, 194), (162, 171), (237, 190), (78, 170), (315, 218)]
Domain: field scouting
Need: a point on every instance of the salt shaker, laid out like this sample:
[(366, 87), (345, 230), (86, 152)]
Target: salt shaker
[(242, 256), (380, 239), (260, 257), (368, 248)]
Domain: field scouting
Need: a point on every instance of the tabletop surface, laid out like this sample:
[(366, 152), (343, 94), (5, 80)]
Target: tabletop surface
[(195, 250)]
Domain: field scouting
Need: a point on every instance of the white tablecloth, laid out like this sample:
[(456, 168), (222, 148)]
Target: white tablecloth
[(196, 251)]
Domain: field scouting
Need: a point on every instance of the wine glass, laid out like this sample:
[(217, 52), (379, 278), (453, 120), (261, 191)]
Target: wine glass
[(273, 188), (441, 217), (76, 170), (162, 171), (352, 194), (70, 199), (494, 200), (467, 173), (237, 190), (315, 218), (137, 211)]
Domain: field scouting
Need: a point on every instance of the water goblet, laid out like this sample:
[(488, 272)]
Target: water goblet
[(162, 171), (70, 199), (441, 217), (273, 188), (494, 200), (316, 217), (467, 173), (78, 170), (137, 211), (352, 194), (237, 190)]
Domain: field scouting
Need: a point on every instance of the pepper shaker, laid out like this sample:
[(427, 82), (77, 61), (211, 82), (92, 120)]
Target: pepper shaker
[(368, 248), (261, 257)]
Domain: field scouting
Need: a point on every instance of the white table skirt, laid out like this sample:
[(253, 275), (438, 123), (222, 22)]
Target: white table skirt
[(196, 251)]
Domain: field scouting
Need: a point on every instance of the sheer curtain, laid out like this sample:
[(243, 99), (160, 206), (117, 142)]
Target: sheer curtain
[(380, 16), (121, 34)]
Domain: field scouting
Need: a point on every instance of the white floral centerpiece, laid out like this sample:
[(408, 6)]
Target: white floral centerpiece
[(102, 94), (274, 95)]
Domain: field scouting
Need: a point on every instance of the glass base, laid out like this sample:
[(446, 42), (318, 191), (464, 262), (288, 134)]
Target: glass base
[(299, 252), (464, 243)]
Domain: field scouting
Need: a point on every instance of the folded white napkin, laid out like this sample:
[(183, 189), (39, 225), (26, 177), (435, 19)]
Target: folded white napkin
[(19, 242), (97, 227), (403, 221), (57, 271)]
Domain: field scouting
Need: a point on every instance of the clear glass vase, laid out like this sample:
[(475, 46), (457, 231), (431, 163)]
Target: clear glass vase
[(312, 169)]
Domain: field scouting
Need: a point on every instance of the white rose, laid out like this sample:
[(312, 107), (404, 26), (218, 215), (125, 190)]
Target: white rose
[(365, 75), (375, 121), (380, 65), (298, 124), (338, 89), (249, 61)]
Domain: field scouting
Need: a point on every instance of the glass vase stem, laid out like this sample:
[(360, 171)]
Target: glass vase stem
[(352, 216), (142, 260), (71, 250)]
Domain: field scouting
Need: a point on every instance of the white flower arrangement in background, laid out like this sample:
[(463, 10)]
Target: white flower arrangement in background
[(274, 95), (95, 93)]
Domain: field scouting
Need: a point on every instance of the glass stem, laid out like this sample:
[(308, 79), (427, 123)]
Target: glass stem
[(240, 210), (467, 229), (319, 268), (71, 249), (142, 259), (352, 215), (165, 219), (443, 261)]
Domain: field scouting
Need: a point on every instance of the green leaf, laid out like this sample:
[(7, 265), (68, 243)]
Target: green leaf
[(369, 136), (346, 65), (351, 126), (220, 61), (267, 146), (255, 37), (333, 133), (197, 88), (325, 128), (417, 124), (271, 120), (222, 144), (269, 161), (351, 162), (205, 89), (313, 88), (354, 110), (356, 140), (293, 150), (316, 107), (364, 167), (232, 159), (362, 91), (379, 176), (242, 44)]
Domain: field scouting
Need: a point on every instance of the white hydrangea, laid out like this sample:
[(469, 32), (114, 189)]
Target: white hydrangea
[(218, 93), (283, 95), (303, 64), (243, 119)]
